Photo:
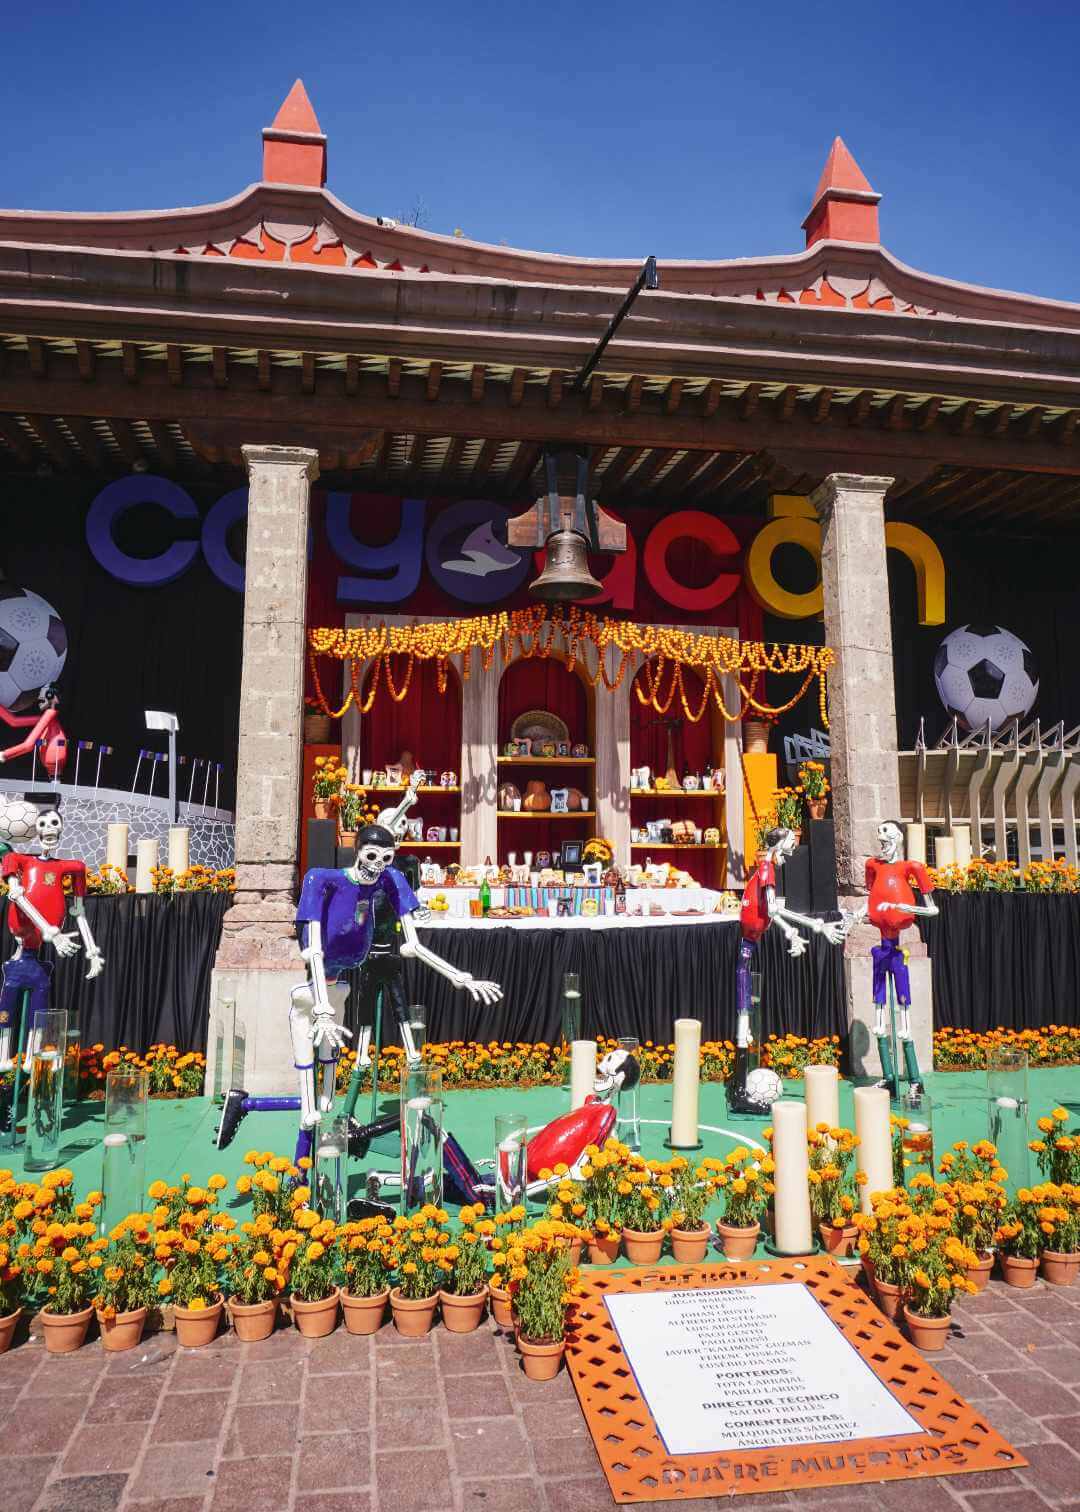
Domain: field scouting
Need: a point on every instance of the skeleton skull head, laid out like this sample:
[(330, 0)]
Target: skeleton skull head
[(375, 848), (890, 842), (50, 827), (780, 843)]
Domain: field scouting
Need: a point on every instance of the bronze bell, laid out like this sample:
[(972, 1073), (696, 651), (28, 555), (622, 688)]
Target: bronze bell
[(566, 572)]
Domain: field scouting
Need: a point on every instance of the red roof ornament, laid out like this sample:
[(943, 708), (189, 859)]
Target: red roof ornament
[(294, 147), (844, 206)]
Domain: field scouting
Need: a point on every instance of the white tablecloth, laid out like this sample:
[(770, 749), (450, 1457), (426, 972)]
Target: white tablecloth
[(673, 900)]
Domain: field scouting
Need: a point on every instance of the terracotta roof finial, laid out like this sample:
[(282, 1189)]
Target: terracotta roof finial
[(844, 206), (294, 147)]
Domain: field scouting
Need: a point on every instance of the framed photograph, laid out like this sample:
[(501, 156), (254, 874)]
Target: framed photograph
[(393, 776), (562, 748), (571, 855), (560, 803), (656, 828), (566, 908), (522, 747)]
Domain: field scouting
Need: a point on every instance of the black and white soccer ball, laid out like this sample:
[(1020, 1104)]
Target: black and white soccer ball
[(764, 1086), (33, 646), (18, 822), (985, 673)]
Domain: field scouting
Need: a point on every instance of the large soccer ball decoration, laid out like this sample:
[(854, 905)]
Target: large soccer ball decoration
[(985, 673), (18, 822), (33, 646), (764, 1086)]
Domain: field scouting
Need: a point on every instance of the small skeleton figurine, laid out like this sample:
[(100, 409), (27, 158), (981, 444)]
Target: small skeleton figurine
[(363, 916), (37, 912), (891, 908), (760, 909), (45, 729)]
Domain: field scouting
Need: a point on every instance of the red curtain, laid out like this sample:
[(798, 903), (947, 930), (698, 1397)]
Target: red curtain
[(426, 722)]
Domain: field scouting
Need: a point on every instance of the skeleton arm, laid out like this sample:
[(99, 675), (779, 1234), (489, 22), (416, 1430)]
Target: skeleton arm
[(484, 992), (93, 954), (63, 944), (785, 918), (394, 819), (324, 1024), (28, 742), (928, 910), (18, 721)]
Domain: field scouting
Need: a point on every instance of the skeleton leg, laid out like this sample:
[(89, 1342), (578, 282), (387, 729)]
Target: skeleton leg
[(904, 1035), (328, 1054), (303, 1001)]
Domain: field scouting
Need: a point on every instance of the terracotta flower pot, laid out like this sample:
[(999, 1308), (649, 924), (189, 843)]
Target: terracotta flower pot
[(502, 1309), (65, 1332), (541, 1361), (755, 735), (868, 1269), (462, 1314), (575, 1246), (196, 1327), (413, 1316), (364, 1315), (324, 809), (123, 1330), (979, 1274), (927, 1334), (818, 807), (604, 1249), (643, 1246), (253, 1321), (889, 1296), (8, 1324), (839, 1239), (347, 838), (738, 1243), (316, 1319), (688, 1246), (1017, 1270), (1059, 1267)]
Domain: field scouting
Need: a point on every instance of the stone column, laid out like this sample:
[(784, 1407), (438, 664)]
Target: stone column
[(862, 721), (258, 952), (612, 735), (479, 771)]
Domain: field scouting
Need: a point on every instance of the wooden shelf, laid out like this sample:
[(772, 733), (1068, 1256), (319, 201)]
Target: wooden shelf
[(563, 761), (546, 814), (676, 794), (431, 791), (651, 845), (429, 844)]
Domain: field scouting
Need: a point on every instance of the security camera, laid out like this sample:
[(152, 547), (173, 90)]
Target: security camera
[(387, 222)]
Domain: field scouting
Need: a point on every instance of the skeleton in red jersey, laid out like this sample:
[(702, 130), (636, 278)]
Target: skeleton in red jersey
[(41, 891)]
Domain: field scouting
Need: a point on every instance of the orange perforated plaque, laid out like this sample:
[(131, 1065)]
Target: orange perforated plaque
[(789, 1406)]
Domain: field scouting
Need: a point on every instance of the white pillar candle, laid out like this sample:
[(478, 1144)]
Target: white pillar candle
[(794, 1235), (822, 1096), (961, 837), (916, 843), (179, 836), (582, 1072), (686, 1080), (875, 1142), (944, 851), (116, 846), (146, 859)]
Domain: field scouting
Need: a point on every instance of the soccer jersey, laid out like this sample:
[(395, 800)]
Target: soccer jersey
[(754, 914), (345, 911), (890, 882), (42, 880)]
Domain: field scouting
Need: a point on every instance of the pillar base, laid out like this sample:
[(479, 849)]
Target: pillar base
[(262, 1023), (862, 1043)]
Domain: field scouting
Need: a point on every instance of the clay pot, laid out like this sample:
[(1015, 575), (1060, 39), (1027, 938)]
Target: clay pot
[(462, 1314), (642, 1246), (604, 1249), (324, 809), (347, 838), (818, 807), (124, 1330), (537, 799), (575, 1246), (316, 1319), (838, 1239), (364, 1315), (1016, 1270), (1059, 1267), (541, 1361), (253, 1321), (65, 1332), (413, 1317), (198, 1327), (688, 1246), (927, 1334), (738, 1243), (889, 1296), (755, 735), (8, 1324), (501, 1307), (979, 1274)]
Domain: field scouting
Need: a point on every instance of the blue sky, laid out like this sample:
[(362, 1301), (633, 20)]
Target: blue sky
[(685, 129)]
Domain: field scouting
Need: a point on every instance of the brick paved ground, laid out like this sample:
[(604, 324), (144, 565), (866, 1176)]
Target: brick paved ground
[(449, 1424)]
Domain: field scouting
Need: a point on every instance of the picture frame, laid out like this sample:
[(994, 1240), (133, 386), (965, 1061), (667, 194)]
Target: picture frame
[(394, 776), (565, 909), (571, 855), (560, 800), (562, 748)]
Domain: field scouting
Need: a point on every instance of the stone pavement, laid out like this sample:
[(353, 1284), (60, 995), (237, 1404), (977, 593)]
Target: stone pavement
[(449, 1424)]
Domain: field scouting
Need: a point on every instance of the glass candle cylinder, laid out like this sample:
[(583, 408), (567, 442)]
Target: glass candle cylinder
[(416, 1022), (45, 1102), (511, 1152), (571, 1020), (72, 1048), (127, 1089), (328, 1170), (421, 1137), (238, 1061), (627, 1125), (224, 1030), (916, 1110), (1007, 1111), (123, 1178)]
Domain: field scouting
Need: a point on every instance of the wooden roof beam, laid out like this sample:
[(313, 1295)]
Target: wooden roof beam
[(517, 387), (17, 439), (859, 407), (352, 375), (596, 391), (673, 397), (127, 442), (129, 361), (554, 389), (710, 399), (820, 406), (894, 413), (38, 355), (1033, 422), (926, 415), (434, 381), (633, 395), (621, 466), (166, 446), (53, 442), (393, 377), (307, 372), (784, 406), (482, 465), (1064, 426), (684, 472), (520, 469), (710, 476), (89, 443), (648, 470), (476, 382), (748, 400), (219, 365), (84, 356), (964, 418), (174, 363)]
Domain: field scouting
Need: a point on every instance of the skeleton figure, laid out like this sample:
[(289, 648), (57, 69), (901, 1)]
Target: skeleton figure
[(38, 909), (761, 909), (364, 914), (44, 727), (891, 908)]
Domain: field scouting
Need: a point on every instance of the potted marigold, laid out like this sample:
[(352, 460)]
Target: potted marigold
[(691, 1193), (61, 1259), (1058, 1151), (313, 1273), (1059, 1222), (980, 1200), (418, 1256), (193, 1252), (507, 1224), (602, 1174), (463, 1296), (743, 1195), (126, 1282), (832, 1187), (1020, 1239), (12, 1292), (541, 1284), (567, 1205), (935, 1275), (815, 786), (884, 1236), (367, 1249), (641, 1213), (326, 783), (254, 1270), (353, 811)]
